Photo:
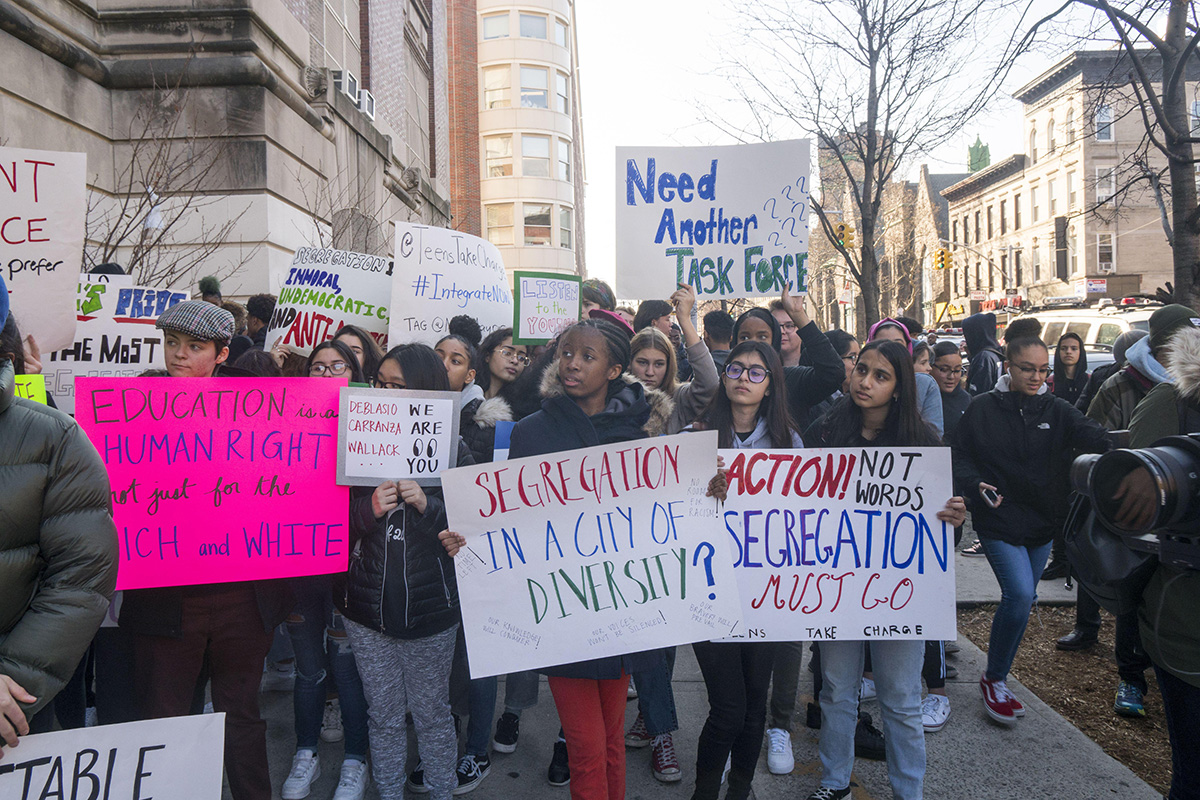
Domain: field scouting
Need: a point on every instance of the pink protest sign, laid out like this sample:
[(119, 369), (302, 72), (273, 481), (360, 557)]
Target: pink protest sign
[(219, 479)]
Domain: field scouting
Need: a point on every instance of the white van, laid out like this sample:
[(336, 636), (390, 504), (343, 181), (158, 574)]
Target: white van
[(1098, 324)]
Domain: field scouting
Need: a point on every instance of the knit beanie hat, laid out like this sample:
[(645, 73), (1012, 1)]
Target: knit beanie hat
[(1167, 320)]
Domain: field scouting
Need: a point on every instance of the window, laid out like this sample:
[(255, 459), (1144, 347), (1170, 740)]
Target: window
[(535, 87), (1108, 333), (498, 156), (978, 238), (564, 161), (1106, 183), (1195, 118), (966, 230), (1033, 146), (1051, 199), (565, 228), (1070, 126), (990, 230), (1004, 268), (1080, 329), (1016, 212), (562, 34), (1036, 263), (1071, 197), (563, 98), (1003, 217), (954, 232), (1052, 331), (1017, 267), (1072, 253), (1034, 209), (1104, 119), (497, 84), (535, 156), (956, 290), (500, 224), (495, 26), (537, 225), (1105, 257), (1051, 137), (533, 26), (978, 285)]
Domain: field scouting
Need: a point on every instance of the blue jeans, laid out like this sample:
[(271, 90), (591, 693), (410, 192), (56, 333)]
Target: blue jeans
[(1018, 570), (322, 648), (898, 685), (521, 691), (656, 699), (481, 707)]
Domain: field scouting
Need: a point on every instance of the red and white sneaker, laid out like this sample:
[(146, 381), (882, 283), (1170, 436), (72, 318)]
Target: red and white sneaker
[(637, 736), (662, 759), (1017, 708), (996, 702)]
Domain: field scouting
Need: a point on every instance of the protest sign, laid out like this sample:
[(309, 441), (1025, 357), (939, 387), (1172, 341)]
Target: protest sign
[(731, 221), (115, 334), (43, 203), (164, 759), (440, 274), (841, 544), (32, 387), (325, 289), (395, 435), (544, 304), (219, 479), (590, 553)]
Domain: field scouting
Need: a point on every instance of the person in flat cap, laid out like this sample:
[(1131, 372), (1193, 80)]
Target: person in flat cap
[(197, 338)]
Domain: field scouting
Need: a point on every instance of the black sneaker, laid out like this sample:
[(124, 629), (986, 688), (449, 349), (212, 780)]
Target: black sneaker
[(868, 740), (508, 730), (825, 793), (812, 718), (470, 772), (416, 780), (559, 773), (1056, 570)]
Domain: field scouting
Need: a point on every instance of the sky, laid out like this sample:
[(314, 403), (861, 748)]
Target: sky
[(644, 64)]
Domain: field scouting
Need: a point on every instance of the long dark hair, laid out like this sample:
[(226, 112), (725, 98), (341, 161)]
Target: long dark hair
[(421, 367), (774, 407), (765, 316), (372, 352), (343, 350), (904, 426), (649, 311), (483, 373)]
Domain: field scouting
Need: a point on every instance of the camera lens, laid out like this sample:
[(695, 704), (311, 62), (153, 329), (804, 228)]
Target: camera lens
[(1174, 471)]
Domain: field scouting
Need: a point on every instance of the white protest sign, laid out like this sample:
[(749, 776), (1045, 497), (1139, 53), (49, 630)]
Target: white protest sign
[(325, 289), (177, 758), (440, 274), (396, 434), (590, 553), (842, 544), (546, 303), (731, 221), (43, 206), (115, 335)]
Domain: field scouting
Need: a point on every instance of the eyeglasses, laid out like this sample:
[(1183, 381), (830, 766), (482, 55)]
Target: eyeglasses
[(788, 326), (948, 370), (510, 354), (851, 357), (756, 374), (336, 368), (1042, 372), (378, 384)]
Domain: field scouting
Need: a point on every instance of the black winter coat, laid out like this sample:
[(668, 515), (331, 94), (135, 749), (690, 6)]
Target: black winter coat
[(820, 375), (986, 360), (477, 426), (1024, 447), (401, 581)]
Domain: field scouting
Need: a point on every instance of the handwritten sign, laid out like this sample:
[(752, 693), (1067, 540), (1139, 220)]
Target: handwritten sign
[(32, 387), (114, 334), (325, 289), (219, 479), (43, 202), (842, 543), (134, 760), (590, 553), (731, 221), (546, 303), (396, 434), (440, 274)]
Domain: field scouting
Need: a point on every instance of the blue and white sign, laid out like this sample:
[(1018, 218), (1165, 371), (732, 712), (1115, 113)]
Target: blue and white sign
[(731, 221)]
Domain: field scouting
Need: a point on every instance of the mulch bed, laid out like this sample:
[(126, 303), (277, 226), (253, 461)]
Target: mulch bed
[(1081, 686)]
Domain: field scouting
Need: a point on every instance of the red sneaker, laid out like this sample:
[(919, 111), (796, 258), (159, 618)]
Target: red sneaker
[(663, 760), (996, 702), (1018, 709), (637, 736)]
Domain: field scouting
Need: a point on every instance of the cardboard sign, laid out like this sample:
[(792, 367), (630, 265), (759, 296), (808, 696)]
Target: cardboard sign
[(43, 206), (114, 334), (440, 274), (325, 289), (32, 387), (545, 304), (841, 543), (219, 479), (731, 221), (176, 757), (590, 553), (396, 434)]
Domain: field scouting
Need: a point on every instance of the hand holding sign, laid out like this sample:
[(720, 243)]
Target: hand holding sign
[(12, 719)]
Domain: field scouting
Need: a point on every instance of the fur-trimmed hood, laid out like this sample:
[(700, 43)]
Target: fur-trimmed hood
[(1183, 360), (491, 411), (661, 405)]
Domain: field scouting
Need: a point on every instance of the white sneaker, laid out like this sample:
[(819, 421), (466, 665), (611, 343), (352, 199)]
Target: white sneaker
[(352, 785), (331, 723), (867, 689), (935, 710), (306, 768), (631, 693), (780, 759)]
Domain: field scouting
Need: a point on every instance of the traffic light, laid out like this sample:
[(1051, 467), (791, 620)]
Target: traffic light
[(939, 258), (843, 235)]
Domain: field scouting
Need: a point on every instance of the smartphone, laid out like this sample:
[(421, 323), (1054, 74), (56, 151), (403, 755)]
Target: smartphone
[(991, 497)]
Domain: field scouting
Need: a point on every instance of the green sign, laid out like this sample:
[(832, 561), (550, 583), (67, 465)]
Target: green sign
[(544, 304)]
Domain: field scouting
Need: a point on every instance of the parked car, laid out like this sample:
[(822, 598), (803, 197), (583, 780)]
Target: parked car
[(1097, 324)]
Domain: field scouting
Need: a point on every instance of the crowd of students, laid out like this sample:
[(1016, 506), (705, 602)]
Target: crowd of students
[(381, 645)]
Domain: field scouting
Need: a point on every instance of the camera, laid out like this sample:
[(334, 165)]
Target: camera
[(1172, 531)]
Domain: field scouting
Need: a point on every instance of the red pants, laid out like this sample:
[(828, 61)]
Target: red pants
[(592, 714), (223, 623)]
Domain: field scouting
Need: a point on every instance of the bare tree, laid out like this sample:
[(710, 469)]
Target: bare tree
[(345, 209), (877, 84)]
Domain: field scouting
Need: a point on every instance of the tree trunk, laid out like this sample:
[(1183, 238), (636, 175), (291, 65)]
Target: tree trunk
[(1186, 255)]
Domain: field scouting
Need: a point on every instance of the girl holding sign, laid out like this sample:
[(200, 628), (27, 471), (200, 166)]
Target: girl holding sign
[(402, 607), (880, 410), (750, 412)]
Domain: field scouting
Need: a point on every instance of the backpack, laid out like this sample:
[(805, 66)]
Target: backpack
[(1111, 571)]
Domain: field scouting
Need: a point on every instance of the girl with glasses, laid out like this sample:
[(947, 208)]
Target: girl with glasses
[(499, 363), (948, 370)]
